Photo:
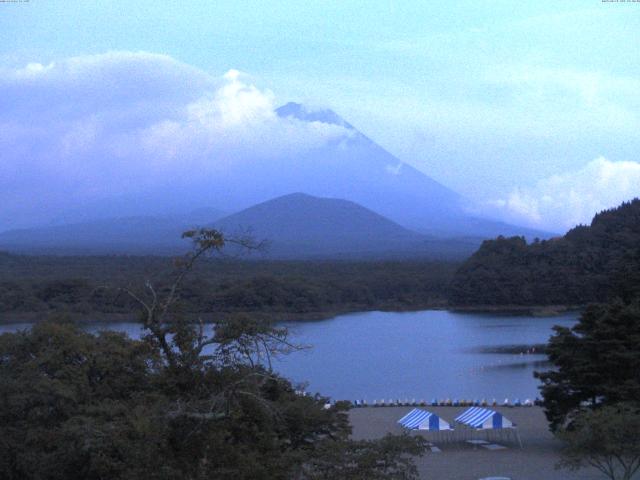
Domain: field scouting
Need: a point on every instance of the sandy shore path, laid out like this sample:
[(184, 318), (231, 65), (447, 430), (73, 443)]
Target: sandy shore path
[(459, 460)]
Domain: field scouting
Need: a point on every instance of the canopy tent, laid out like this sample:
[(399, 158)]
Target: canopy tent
[(418, 419), (483, 419)]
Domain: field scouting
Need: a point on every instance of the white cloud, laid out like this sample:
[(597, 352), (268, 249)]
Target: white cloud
[(591, 87), (565, 200), (116, 123), (569, 99)]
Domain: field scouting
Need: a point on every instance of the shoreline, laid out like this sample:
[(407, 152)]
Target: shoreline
[(533, 310), (208, 317)]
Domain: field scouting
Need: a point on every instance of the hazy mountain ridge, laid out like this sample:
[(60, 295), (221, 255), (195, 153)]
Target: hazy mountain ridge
[(362, 171), (414, 214), (127, 235), (300, 225), (347, 165), (294, 226), (300, 112)]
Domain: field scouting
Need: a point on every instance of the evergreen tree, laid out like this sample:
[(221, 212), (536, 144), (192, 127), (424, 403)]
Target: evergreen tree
[(597, 362), (594, 263)]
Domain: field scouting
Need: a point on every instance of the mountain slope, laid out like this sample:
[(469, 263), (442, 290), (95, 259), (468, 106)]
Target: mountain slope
[(349, 166), (300, 225), (131, 235), (589, 264), (294, 226), (360, 170)]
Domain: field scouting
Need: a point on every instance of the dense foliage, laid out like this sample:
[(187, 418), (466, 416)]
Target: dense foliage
[(607, 438), (79, 406), (269, 288), (597, 362), (589, 264), (175, 405), (592, 395)]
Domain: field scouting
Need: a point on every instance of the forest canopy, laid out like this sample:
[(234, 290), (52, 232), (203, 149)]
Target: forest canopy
[(176, 404), (43, 285), (594, 263)]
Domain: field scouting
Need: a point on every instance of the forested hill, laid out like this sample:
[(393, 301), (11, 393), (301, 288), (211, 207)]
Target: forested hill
[(590, 263)]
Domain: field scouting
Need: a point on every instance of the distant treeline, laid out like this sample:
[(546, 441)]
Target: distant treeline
[(281, 289), (589, 264)]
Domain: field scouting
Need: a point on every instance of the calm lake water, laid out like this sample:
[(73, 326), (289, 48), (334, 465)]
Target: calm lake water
[(421, 355)]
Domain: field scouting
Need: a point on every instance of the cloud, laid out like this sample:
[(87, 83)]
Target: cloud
[(571, 98), (99, 126), (568, 199), (589, 86)]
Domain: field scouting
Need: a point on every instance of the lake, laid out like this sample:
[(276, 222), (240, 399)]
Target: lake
[(422, 355)]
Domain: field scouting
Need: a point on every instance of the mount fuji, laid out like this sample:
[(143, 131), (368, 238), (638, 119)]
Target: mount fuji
[(349, 167), (358, 169)]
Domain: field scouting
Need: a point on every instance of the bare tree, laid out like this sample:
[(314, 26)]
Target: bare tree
[(157, 309), (242, 344)]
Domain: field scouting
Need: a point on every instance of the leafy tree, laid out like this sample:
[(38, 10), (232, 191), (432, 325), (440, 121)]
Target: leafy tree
[(597, 362), (176, 404), (594, 263), (607, 439), (385, 459), (66, 401), (292, 289)]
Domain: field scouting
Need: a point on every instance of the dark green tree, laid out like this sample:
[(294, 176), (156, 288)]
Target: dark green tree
[(177, 404), (595, 263), (607, 439), (597, 362), (386, 459)]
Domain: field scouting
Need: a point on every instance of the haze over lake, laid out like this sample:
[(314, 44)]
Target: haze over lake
[(397, 355)]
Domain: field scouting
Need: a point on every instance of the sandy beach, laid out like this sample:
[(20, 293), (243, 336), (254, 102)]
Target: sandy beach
[(462, 461)]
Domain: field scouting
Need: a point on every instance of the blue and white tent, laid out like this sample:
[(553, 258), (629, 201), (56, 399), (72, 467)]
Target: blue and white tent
[(490, 422), (418, 419), (483, 419)]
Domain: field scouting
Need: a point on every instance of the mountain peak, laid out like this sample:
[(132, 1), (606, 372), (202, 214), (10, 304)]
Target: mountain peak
[(301, 112)]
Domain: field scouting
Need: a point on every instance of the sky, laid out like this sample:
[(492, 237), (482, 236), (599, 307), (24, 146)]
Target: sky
[(531, 109)]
